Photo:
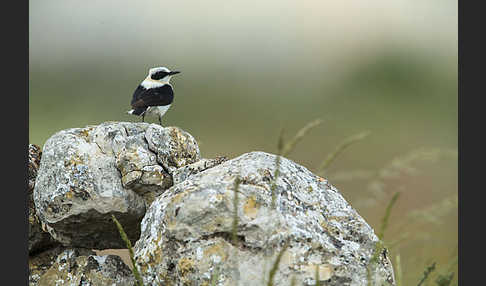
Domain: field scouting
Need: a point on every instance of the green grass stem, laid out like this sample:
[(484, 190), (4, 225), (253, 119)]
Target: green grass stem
[(130, 250), (386, 217), (339, 149), (427, 273), (275, 265)]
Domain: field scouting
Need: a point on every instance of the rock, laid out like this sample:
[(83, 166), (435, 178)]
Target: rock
[(181, 174), (187, 231), (83, 267), (41, 262), (175, 148), (35, 155), (39, 240), (87, 174)]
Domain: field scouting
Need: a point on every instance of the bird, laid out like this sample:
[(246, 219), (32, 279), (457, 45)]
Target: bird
[(154, 95)]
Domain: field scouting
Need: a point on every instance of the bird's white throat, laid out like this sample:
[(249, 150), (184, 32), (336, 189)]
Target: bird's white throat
[(151, 83)]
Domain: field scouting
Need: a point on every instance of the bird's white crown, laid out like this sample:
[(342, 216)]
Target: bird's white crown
[(157, 69)]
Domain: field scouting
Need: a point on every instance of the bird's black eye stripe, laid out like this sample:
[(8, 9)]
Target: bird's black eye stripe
[(159, 75)]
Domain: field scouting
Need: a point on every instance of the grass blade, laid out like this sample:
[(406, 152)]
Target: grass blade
[(292, 281), (380, 245), (234, 230), (215, 276), (318, 280), (276, 173), (340, 148), (384, 221), (427, 272), (275, 265), (285, 149), (130, 250), (298, 137), (398, 266), (374, 260)]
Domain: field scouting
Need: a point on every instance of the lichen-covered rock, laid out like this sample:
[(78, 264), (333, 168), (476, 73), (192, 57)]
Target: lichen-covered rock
[(185, 172), (35, 155), (187, 231), (87, 174), (83, 267), (175, 148), (41, 262), (39, 240)]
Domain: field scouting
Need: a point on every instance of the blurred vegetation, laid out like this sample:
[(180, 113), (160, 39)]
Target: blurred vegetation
[(391, 71)]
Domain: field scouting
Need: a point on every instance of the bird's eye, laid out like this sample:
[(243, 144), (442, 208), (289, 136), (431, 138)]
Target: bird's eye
[(159, 75)]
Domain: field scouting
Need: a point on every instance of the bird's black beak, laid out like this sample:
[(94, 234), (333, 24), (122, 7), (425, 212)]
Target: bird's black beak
[(174, 72)]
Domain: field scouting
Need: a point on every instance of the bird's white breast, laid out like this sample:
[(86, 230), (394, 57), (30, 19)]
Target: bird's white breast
[(151, 83), (157, 110)]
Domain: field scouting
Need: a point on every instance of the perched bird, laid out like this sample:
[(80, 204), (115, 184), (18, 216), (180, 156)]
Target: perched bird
[(154, 95)]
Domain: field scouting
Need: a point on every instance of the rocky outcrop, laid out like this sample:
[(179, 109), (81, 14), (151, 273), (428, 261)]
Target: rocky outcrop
[(39, 240), (52, 264), (40, 262), (178, 210), (187, 231), (87, 174), (83, 267)]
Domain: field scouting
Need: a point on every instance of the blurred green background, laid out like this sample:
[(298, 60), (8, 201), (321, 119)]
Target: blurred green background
[(251, 68)]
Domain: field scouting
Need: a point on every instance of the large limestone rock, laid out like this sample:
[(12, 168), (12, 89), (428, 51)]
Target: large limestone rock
[(187, 231), (82, 267), (39, 240), (141, 170), (87, 174)]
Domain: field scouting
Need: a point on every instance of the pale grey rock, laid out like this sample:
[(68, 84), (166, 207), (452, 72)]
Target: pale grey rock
[(39, 240), (87, 174), (41, 262), (175, 148), (185, 172), (186, 232), (82, 267)]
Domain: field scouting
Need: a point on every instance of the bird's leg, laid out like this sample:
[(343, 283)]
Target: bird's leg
[(143, 117), (160, 120)]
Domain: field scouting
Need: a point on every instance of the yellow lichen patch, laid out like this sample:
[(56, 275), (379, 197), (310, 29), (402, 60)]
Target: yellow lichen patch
[(185, 265), (329, 228), (220, 197), (84, 133), (75, 160), (153, 258), (336, 218), (323, 224), (178, 198), (325, 270), (216, 249), (69, 194), (171, 223), (250, 208)]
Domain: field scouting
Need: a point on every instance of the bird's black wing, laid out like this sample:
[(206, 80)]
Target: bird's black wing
[(158, 96)]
